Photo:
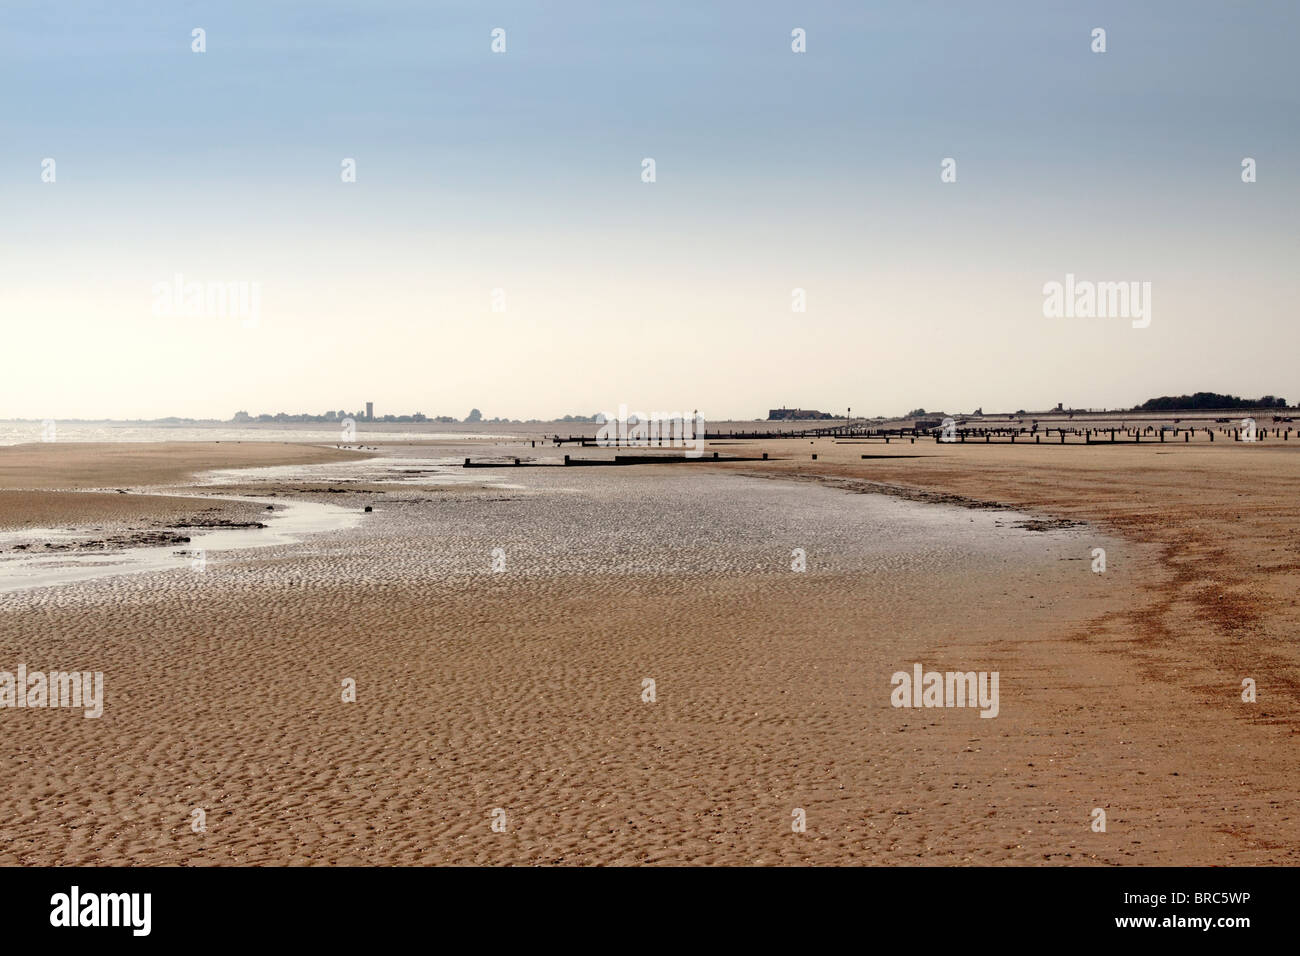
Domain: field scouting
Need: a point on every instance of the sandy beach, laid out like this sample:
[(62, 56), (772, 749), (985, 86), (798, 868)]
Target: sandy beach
[(446, 438), (500, 626)]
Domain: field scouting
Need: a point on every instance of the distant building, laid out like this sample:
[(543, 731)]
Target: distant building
[(370, 411), (794, 414)]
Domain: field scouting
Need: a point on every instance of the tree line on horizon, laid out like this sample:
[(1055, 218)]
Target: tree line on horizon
[(1205, 400)]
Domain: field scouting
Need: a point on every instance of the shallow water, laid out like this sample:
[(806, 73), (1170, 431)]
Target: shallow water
[(394, 469), (629, 521), (289, 524), (552, 522)]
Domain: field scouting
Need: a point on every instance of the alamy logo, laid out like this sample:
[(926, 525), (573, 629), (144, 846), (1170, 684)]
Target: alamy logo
[(208, 300), (661, 429), (75, 908), (75, 689), (950, 689), (1085, 299)]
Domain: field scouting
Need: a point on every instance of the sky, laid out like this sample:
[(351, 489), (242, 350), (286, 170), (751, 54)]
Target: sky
[(499, 248)]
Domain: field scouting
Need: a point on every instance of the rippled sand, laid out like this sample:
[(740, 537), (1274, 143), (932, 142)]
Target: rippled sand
[(521, 689)]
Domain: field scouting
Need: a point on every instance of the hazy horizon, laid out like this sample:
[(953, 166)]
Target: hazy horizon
[(489, 417), (521, 171)]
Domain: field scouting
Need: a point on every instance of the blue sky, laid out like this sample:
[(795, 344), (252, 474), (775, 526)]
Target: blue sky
[(521, 171)]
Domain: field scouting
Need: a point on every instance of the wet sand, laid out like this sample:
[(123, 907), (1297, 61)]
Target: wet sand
[(44, 485), (68, 465), (522, 689)]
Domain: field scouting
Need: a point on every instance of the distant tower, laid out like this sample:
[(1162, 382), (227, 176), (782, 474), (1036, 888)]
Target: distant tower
[(370, 411)]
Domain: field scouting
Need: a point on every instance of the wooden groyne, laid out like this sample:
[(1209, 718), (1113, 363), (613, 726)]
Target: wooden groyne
[(1074, 436), (1151, 434), (860, 432), (1035, 434), (571, 462)]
